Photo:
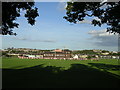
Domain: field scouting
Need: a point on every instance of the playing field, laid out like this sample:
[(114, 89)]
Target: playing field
[(41, 73)]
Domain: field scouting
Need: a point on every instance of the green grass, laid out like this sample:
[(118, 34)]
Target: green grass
[(38, 73), (16, 63)]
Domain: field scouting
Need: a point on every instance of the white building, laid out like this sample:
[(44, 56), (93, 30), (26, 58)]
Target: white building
[(75, 57), (32, 56)]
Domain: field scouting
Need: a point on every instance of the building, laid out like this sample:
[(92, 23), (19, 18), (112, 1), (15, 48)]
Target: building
[(83, 56), (106, 53), (57, 54), (75, 57), (57, 50), (54, 54)]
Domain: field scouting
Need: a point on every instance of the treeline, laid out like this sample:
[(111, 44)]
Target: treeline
[(92, 52), (12, 50), (8, 51), (85, 52)]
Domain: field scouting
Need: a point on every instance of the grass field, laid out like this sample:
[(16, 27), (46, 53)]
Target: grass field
[(40, 73)]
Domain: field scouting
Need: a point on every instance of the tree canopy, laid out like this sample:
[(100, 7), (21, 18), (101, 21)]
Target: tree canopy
[(12, 10), (106, 12)]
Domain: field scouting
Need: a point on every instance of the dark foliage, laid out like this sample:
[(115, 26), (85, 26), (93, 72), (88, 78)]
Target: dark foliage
[(107, 13), (89, 52), (11, 11)]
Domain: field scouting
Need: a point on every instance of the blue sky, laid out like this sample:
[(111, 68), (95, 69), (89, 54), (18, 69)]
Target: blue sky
[(52, 31)]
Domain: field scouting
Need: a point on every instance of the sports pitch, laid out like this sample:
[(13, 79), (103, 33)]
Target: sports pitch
[(45, 73)]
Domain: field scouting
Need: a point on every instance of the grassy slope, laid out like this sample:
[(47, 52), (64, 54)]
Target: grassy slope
[(59, 73)]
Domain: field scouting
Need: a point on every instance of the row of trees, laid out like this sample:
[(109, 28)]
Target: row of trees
[(92, 52), (24, 51), (38, 51)]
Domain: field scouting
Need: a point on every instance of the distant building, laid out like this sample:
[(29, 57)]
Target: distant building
[(13, 54), (57, 50), (58, 54), (54, 54), (98, 51), (83, 56), (75, 57), (105, 57), (31, 56), (114, 52), (105, 53), (62, 54)]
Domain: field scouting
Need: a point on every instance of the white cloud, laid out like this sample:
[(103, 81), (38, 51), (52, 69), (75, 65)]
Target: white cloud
[(103, 38), (84, 22), (100, 33)]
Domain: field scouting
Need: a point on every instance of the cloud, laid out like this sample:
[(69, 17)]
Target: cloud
[(103, 38), (34, 40), (84, 22)]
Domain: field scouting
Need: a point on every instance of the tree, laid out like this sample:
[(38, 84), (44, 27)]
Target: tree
[(106, 12), (11, 11)]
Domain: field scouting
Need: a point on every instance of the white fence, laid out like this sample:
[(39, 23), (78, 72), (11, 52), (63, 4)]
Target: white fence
[(22, 57)]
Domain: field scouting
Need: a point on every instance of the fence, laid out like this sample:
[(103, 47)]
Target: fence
[(22, 57)]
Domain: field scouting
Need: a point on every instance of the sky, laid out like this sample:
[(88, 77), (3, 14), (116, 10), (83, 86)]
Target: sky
[(51, 31)]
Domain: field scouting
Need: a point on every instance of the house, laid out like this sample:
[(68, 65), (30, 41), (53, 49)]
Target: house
[(57, 50), (75, 57), (116, 57), (31, 56), (105, 57), (83, 56), (106, 53), (13, 54)]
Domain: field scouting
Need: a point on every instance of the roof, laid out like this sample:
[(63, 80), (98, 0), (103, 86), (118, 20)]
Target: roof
[(57, 50), (54, 53)]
